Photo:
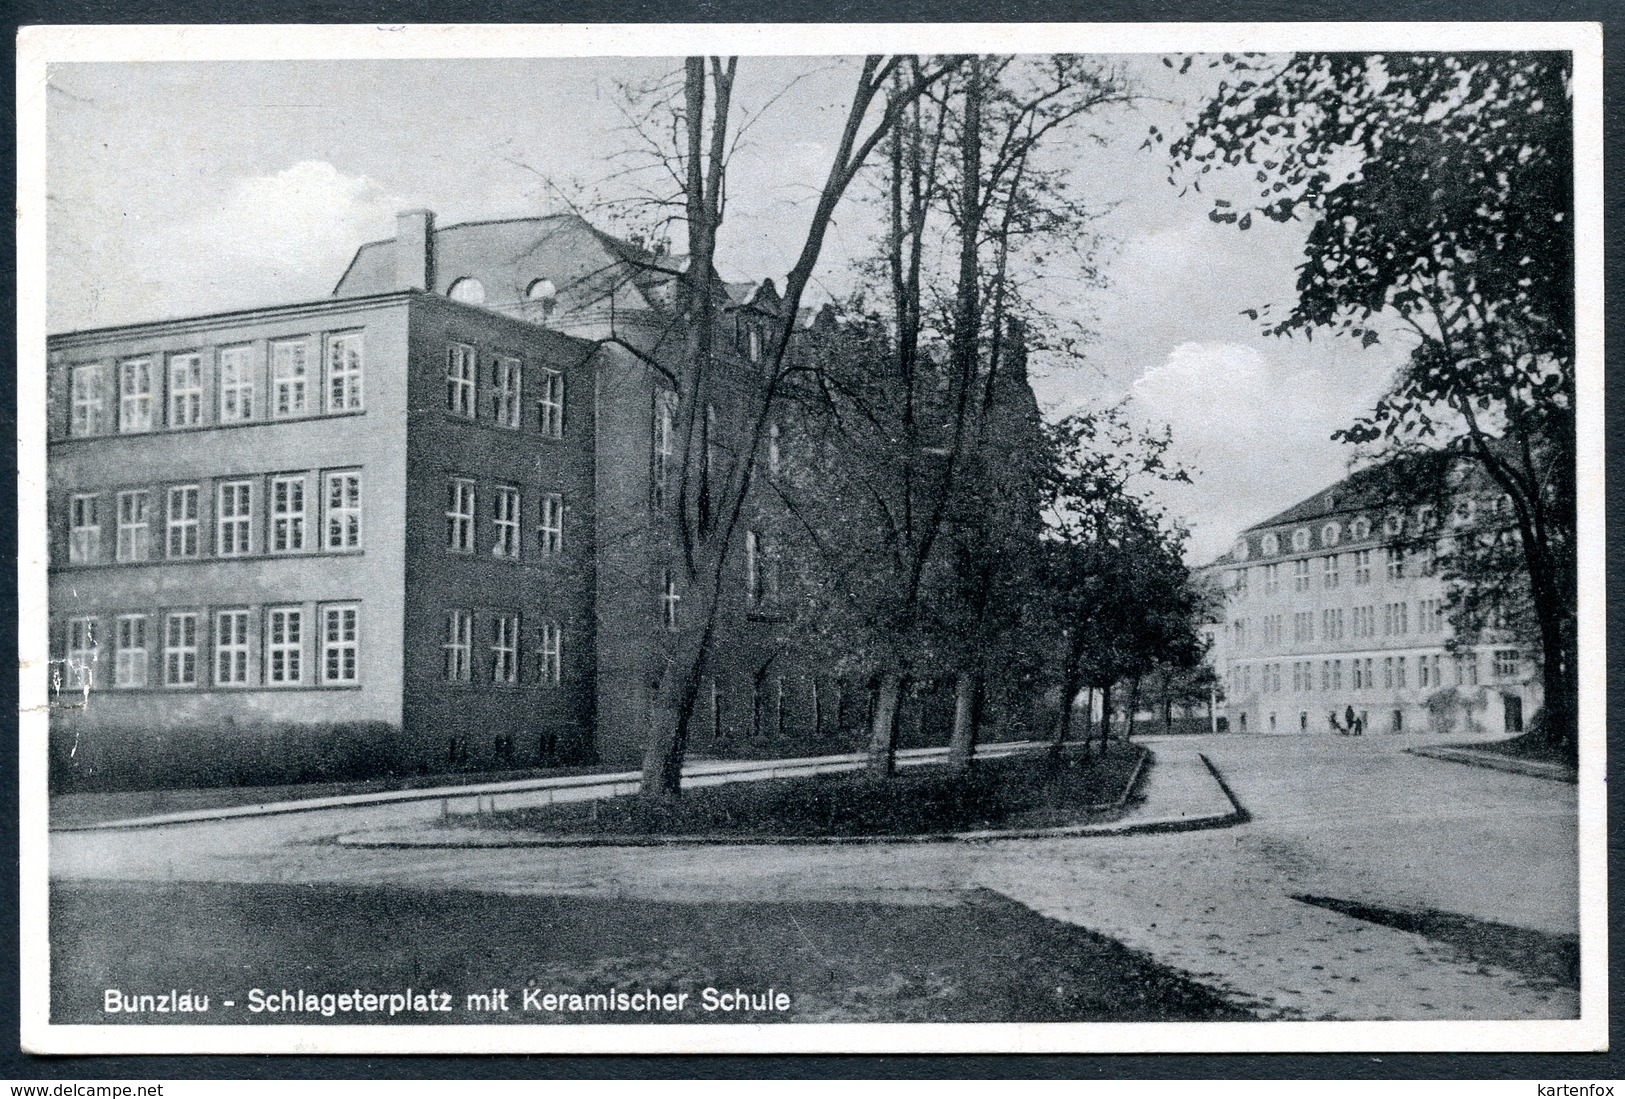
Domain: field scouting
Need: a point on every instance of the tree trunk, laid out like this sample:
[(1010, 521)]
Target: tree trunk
[(1168, 715), (1063, 719), (883, 727), (1088, 716), (1133, 705), (967, 720), (671, 715), (1105, 717)]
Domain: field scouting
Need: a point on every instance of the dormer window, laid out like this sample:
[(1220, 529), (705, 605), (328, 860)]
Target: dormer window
[(544, 293), (1300, 539), (1270, 544), (470, 291), (1329, 534), (1360, 528)]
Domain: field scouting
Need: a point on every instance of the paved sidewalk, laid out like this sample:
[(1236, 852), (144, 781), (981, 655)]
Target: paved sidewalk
[(1495, 761)]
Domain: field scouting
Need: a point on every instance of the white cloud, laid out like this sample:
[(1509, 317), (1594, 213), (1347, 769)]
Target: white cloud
[(1255, 433)]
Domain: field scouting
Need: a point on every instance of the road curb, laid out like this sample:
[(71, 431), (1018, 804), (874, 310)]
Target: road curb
[(1237, 814), (1493, 762)]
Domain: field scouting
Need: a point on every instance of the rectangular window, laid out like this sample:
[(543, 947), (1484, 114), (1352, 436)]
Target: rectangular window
[(236, 385), (1272, 579), (505, 648), (84, 636), (85, 385), (232, 524), (344, 356), (1330, 573), (1240, 586), (180, 650), (1303, 626), (1297, 676), (344, 511), (85, 533), (287, 514), (1395, 558), (551, 404), (1370, 675), (753, 567), (549, 654), (458, 647), (665, 429), (1423, 677), (1337, 675), (1356, 676), (284, 649), (340, 644), (460, 515), (290, 378), (1325, 675), (505, 390), (460, 379), (669, 599), (134, 541), (231, 648), (130, 659), (1300, 574), (1388, 672), (1240, 631), (185, 390), (1362, 567), (1466, 669), (1506, 663), (1275, 678), (183, 519), (135, 395), (1399, 671), (505, 522), (550, 532)]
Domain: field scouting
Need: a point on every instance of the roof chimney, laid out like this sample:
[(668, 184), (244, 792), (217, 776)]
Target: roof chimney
[(414, 250)]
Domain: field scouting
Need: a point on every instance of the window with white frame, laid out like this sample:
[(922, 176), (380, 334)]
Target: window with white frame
[(1466, 669), (290, 378), (135, 395), (183, 521), (284, 645), (505, 648), (549, 654), (1395, 562), (344, 363), (341, 644), (233, 521), (669, 599), (85, 390), (180, 649), (550, 531), (551, 404), (1300, 539), (1272, 579), (185, 390), (460, 379), (236, 385), (288, 514), (1362, 567), (1303, 626), (458, 647), (85, 529), (1506, 663), (1399, 671), (665, 430), (1331, 624), (460, 515), (505, 522), (1300, 574), (130, 657), (506, 377), (1330, 574), (1388, 672), (231, 648), (1430, 616), (84, 638), (344, 510)]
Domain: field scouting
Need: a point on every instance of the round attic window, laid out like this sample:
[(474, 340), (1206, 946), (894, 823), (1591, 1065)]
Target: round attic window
[(1300, 539), (1270, 544), (469, 290), (1360, 528), (1330, 533), (541, 290)]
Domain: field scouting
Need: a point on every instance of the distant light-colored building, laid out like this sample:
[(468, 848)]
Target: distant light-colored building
[(1328, 625)]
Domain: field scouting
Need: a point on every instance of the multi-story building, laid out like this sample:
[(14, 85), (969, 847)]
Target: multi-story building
[(1334, 620), (422, 524)]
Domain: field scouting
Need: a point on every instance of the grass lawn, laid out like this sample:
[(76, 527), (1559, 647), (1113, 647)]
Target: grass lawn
[(985, 958), (1027, 791), (1533, 746)]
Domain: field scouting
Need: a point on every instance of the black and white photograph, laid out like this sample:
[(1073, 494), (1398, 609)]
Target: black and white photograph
[(830, 538)]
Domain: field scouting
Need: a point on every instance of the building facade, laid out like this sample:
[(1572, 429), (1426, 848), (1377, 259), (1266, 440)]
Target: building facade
[(423, 524), (1334, 620)]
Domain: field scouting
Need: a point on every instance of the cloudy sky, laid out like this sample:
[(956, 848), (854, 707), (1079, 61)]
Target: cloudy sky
[(187, 188)]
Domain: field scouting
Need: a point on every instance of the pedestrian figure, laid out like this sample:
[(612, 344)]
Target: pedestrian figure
[(1348, 720)]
